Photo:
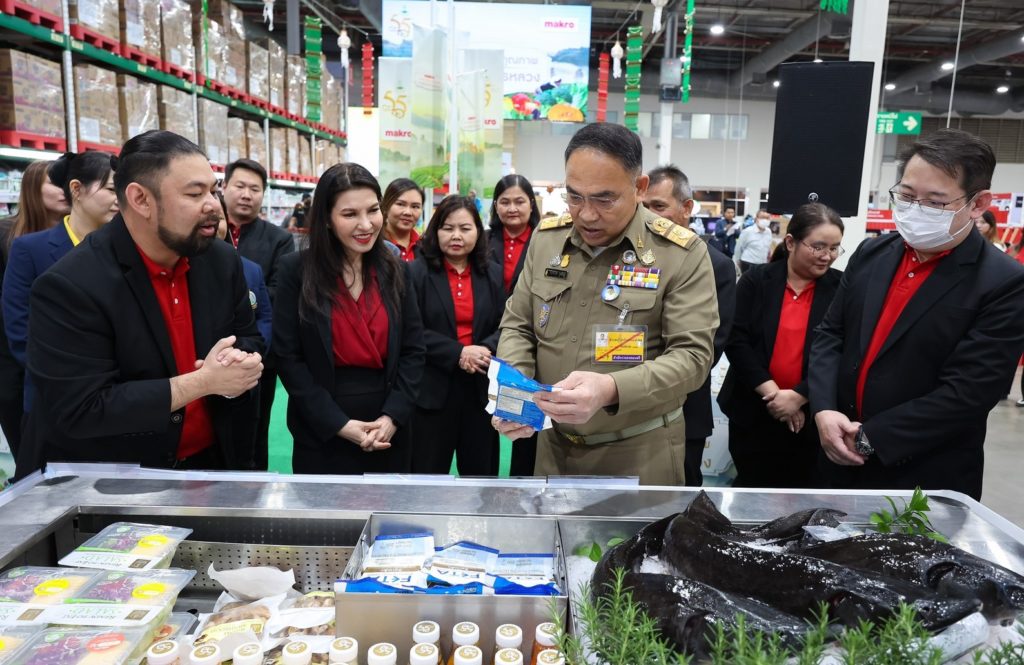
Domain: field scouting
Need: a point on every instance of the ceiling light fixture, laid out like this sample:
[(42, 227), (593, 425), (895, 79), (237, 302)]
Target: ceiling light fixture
[(890, 86), (775, 83), (818, 60), (717, 29), (1003, 89), (947, 66)]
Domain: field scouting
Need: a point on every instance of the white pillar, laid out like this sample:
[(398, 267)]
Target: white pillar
[(665, 134), (867, 44)]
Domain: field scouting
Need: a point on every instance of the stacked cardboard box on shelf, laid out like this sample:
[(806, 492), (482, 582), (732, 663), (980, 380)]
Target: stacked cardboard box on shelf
[(176, 112), (138, 106), (259, 66), (279, 149), (95, 91), (256, 143), (294, 165), (99, 16), (305, 157), (330, 102), (295, 85), (275, 73), (213, 130), (210, 47), (176, 44), (230, 19), (140, 26), (31, 96), (237, 144)]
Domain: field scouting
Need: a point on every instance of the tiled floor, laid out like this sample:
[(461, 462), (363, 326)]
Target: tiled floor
[(1004, 459)]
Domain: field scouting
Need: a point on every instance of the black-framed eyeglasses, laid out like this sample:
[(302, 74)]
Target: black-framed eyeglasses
[(931, 207), (576, 201)]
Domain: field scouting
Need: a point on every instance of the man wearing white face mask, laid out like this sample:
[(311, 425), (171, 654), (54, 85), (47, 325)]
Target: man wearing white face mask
[(923, 336), (755, 243)]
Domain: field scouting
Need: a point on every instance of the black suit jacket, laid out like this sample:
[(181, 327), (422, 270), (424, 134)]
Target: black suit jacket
[(697, 412), (945, 365), (101, 358), (12, 376), (496, 250), (265, 243), (758, 308), (305, 359), (434, 298)]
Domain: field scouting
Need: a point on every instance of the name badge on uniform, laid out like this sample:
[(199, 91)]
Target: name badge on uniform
[(557, 273), (619, 344)]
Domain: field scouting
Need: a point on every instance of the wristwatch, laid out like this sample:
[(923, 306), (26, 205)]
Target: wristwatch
[(861, 444)]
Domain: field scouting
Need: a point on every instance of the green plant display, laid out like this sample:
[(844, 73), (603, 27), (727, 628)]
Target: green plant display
[(911, 519)]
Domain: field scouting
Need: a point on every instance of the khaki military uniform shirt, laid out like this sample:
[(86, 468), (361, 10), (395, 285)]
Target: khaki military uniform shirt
[(548, 327)]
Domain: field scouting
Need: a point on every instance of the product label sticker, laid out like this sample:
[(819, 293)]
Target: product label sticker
[(624, 345)]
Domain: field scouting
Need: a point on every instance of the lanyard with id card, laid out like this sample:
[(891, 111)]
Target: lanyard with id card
[(618, 343)]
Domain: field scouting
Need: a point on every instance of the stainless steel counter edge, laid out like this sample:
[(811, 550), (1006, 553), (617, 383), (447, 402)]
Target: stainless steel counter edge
[(34, 508)]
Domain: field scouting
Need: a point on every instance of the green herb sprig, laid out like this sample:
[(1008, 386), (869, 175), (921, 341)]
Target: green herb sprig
[(911, 519), (593, 551)]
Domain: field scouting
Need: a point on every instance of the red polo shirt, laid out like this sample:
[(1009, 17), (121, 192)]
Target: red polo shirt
[(235, 233), (407, 254), (910, 275), (461, 285), (513, 250), (787, 363), (171, 290)]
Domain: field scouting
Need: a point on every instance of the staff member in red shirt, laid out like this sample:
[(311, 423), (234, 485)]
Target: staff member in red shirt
[(403, 206), (461, 299), (143, 346), (347, 335), (778, 306), (514, 216), (924, 333)]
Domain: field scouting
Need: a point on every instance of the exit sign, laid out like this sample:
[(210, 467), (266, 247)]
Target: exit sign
[(898, 123)]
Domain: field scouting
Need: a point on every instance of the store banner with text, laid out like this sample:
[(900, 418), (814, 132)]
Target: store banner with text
[(470, 101), (546, 50), (395, 81), (430, 103), (490, 62)]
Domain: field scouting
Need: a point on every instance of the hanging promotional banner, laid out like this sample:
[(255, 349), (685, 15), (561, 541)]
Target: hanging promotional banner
[(395, 81), (470, 102), (546, 50), (491, 63), (429, 97)]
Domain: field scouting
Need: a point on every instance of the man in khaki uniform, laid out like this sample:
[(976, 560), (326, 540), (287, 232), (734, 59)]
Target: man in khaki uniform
[(616, 307)]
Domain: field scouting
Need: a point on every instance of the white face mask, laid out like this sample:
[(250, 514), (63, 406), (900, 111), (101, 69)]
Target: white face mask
[(761, 223), (926, 231)]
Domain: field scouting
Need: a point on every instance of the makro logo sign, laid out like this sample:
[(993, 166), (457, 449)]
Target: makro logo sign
[(397, 134), (559, 25)]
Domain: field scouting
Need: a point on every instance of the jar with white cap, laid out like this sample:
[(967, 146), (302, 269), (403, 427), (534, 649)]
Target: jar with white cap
[(424, 654), (250, 653), (464, 634), (382, 653), (166, 652), (206, 654), (550, 657), (296, 653), (468, 655), (344, 651), (508, 636), (428, 632), (543, 638), (508, 657)]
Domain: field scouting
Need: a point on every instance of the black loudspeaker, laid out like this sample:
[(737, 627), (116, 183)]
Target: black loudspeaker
[(821, 117)]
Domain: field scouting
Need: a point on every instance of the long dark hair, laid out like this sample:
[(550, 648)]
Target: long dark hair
[(91, 167), (32, 215), (509, 181), (807, 218), (324, 261), (430, 248)]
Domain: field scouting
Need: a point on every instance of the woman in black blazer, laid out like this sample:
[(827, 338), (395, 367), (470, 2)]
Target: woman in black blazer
[(347, 335), (514, 216), (772, 439), (461, 298)]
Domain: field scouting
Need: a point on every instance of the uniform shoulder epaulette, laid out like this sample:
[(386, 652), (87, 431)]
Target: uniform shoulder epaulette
[(674, 233), (549, 223)]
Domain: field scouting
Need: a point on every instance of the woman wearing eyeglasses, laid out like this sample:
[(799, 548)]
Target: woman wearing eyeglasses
[(778, 306)]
